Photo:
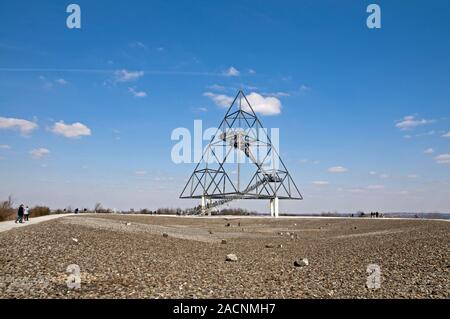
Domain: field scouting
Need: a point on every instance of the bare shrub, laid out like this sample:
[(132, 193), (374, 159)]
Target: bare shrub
[(234, 212), (98, 208), (39, 211), (168, 211), (7, 212)]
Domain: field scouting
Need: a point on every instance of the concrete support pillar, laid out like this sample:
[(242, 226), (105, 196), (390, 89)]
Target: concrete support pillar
[(203, 204), (275, 207), (209, 201), (272, 207)]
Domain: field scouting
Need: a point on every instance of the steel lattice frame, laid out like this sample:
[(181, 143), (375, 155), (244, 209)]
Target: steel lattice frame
[(265, 183)]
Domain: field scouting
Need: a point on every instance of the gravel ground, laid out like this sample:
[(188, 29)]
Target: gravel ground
[(165, 257)]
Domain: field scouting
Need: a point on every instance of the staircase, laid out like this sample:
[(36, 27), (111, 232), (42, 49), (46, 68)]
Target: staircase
[(209, 207), (238, 141)]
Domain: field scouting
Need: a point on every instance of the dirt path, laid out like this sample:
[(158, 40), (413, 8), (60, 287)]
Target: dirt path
[(10, 224)]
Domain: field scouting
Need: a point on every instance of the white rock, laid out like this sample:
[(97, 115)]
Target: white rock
[(75, 240), (231, 257), (301, 263)]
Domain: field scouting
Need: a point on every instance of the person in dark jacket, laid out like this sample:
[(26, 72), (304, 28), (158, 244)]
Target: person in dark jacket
[(20, 214)]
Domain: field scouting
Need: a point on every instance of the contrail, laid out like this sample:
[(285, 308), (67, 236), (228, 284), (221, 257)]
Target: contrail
[(107, 71), (56, 70)]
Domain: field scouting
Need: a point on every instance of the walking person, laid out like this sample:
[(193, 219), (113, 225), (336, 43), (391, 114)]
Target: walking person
[(20, 214), (26, 213)]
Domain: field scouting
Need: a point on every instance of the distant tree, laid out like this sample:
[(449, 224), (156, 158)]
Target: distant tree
[(98, 207), (8, 203), (7, 211)]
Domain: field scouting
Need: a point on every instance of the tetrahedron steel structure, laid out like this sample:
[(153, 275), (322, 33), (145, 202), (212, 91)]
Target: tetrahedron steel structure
[(240, 162)]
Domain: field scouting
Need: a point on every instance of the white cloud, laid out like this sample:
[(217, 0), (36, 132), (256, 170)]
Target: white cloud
[(24, 126), (410, 122), (446, 135), (263, 105), (61, 81), (140, 173), (47, 84), (259, 104), (413, 176), (216, 87), (442, 159), (251, 71), (137, 93), (429, 133), (5, 147), (231, 72), (219, 99), (337, 169), (429, 151), (138, 44), (71, 130), (320, 183), (39, 152), (278, 94), (375, 187), (304, 88), (128, 76), (383, 175)]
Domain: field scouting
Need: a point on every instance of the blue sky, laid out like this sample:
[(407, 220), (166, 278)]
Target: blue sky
[(363, 118)]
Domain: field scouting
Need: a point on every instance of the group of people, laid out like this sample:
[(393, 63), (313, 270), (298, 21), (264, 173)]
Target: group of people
[(375, 214), (23, 214)]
